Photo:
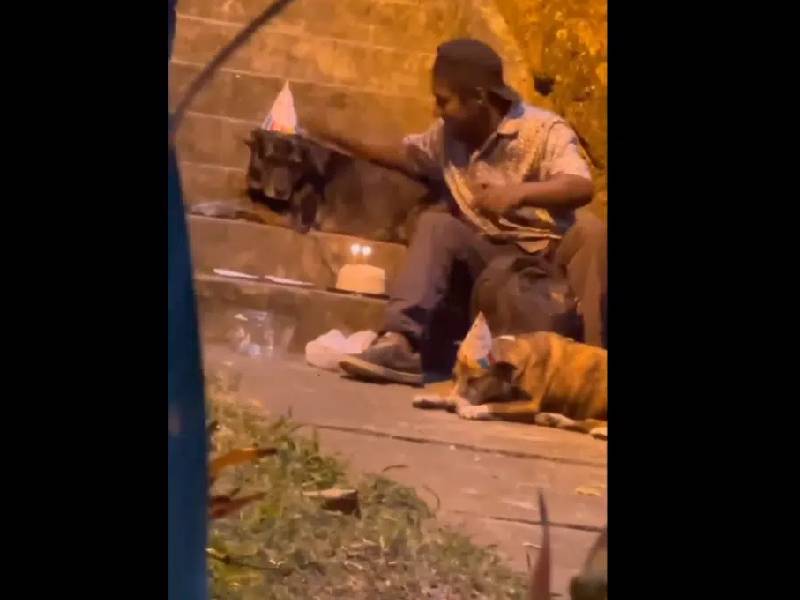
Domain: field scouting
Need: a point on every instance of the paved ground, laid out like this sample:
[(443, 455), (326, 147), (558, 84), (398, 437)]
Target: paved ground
[(483, 475)]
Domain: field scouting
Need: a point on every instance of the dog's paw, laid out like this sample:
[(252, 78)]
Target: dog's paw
[(430, 401), (600, 433), (474, 413), (552, 420)]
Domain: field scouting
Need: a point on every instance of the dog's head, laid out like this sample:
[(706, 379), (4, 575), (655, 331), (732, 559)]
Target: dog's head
[(500, 380), (279, 163)]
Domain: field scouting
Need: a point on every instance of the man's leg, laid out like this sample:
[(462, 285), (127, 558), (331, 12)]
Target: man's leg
[(440, 240), (583, 253)]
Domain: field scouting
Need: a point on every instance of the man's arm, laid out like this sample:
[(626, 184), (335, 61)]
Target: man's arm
[(391, 156), (564, 180), (558, 192)]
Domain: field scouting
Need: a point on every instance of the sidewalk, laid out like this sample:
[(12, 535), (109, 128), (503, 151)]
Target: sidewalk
[(483, 475)]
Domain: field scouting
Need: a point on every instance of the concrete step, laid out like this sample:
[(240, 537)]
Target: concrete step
[(301, 314), (270, 250)]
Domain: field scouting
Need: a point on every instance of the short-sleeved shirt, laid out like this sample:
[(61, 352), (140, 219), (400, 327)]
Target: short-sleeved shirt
[(530, 144)]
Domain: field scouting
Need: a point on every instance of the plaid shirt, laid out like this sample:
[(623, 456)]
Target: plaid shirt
[(530, 144)]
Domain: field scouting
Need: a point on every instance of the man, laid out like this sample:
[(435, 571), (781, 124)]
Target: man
[(515, 175)]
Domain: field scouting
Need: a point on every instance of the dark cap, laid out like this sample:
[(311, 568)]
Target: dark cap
[(470, 64)]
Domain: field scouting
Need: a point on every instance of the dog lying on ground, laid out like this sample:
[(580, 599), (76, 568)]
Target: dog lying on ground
[(542, 377), (320, 188)]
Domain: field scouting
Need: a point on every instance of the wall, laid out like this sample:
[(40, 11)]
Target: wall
[(566, 41), (363, 63)]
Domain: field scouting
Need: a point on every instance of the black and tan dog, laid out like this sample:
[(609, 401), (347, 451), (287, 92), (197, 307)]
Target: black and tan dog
[(542, 377), (318, 187), (287, 174)]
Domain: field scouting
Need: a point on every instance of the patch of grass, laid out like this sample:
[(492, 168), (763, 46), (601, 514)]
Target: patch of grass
[(285, 547)]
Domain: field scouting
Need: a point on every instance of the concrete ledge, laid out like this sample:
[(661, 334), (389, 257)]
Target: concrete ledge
[(270, 250), (301, 314)]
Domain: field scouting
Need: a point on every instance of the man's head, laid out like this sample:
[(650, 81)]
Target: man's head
[(469, 88)]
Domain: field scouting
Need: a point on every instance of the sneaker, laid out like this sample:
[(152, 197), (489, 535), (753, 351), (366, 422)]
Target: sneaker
[(387, 360)]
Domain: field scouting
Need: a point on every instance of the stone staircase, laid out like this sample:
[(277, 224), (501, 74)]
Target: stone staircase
[(300, 313)]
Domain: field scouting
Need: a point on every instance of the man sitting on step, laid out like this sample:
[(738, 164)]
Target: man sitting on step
[(515, 174)]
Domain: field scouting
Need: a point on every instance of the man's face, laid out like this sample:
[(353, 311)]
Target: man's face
[(462, 113)]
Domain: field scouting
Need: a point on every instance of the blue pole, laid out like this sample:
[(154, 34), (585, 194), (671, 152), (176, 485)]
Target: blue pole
[(187, 486)]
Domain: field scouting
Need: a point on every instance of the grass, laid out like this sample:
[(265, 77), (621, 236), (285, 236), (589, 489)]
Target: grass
[(285, 547)]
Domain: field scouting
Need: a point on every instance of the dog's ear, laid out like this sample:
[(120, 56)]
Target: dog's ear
[(252, 141), (511, 351), (504, 371), (318, 156)]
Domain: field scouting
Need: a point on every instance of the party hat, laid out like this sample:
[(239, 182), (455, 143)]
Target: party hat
[(282, 116), (474, 350)]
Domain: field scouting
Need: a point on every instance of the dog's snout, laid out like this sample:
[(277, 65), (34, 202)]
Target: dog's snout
[(278, 183)]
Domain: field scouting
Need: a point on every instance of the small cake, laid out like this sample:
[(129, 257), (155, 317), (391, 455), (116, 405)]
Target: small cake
[(362, 279)]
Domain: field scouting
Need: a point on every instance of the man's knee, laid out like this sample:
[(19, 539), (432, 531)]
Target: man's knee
[(438, 225), (434, 219), (589, 228), (586, 238)]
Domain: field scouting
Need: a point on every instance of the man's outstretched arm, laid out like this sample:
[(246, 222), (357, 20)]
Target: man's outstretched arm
[(394, 156)]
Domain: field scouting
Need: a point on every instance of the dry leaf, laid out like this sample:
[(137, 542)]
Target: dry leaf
[(237, 457), (341, 500), (221, 506), (216, 554)]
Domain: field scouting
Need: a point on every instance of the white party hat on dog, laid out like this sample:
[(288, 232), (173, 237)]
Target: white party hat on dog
[(282, 116), (475, 349)]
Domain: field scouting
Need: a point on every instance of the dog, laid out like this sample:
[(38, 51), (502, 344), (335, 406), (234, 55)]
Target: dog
[(286, 174), (323, 189), (542, 377)]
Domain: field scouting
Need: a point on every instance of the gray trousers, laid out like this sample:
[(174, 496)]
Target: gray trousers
[(441, 240)]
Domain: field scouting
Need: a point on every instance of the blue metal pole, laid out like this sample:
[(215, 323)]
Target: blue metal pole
[(187, 487)]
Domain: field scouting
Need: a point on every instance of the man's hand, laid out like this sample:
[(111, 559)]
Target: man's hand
[(561, 191), (498, 199)]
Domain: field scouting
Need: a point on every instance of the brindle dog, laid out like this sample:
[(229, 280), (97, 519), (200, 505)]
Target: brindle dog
[(542, 377)]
